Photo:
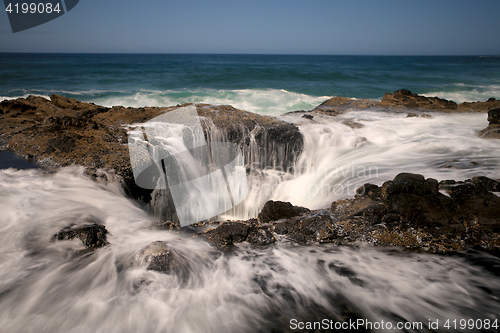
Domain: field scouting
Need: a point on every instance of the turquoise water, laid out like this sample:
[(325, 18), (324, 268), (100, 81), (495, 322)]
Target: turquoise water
[(268, 84)]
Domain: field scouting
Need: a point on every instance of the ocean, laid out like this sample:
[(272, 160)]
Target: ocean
[(47, 287), (266, 84)]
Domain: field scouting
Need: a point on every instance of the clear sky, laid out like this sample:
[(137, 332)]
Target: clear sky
[(351, 27)]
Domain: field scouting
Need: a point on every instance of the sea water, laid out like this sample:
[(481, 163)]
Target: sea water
[(266, 84), (49, 287)]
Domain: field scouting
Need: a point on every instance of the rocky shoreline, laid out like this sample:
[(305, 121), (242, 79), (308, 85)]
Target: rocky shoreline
[(408, 211)]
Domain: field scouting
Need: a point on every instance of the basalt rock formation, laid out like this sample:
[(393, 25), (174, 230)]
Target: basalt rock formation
[(402, 100)]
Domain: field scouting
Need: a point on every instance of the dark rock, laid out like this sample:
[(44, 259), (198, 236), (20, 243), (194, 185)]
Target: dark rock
[(494, 116), (493, 129), (371, 210), (486, 183), (477, 204), (413, 114), (352, 124), (405, 99), (275, 210), (307, 116), (260, 236), (419, 202), (167, 225), (92, 235), (368, 190), (316, 228), (159, 256), (227, 233)]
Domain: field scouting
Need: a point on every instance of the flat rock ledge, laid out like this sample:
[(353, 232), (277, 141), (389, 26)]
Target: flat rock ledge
[(408, 211), (63, 131)]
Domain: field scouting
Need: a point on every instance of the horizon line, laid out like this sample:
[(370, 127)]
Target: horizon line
[(257, 54)]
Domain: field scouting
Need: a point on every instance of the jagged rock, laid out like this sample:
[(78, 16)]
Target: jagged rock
[(227, 233), (405, 99), (480, 207), (418, 202), (159, 256), (337, 105), (260, 236), (486, 183), (494, 116), (493, 129), (307, 116), (275, 210), (371, 210), (315, 228), (92, 235)]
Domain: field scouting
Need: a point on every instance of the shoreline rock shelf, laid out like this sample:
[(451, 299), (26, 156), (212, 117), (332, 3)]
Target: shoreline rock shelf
[(63, 131), (409, 211)]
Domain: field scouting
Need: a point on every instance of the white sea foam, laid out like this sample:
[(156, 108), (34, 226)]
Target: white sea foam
[(461, 92), (45, 288), (263, 101), (337, 159)]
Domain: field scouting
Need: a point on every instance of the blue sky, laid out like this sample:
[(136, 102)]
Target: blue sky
[(352, 27)]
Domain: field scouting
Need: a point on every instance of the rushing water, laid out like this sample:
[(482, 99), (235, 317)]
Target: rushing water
[(47, 287)]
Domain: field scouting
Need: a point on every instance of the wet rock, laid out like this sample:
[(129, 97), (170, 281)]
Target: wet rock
[(159, 256), (413, 114), (418, 202), (227, 233), (486, 183), (480, 207), (493, 129), (308, 116), (494, 116), (303, 230), (491, 132), (371, 210), (352, 124), (405, 99), (275, 210), (260, 236), (92, 235), (167, 225), (337, 105)]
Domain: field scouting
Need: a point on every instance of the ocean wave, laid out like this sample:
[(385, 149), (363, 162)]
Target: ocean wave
[(271, 102), (461, 92)]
